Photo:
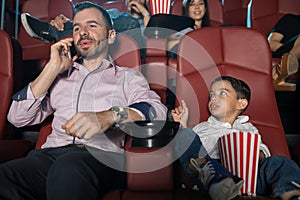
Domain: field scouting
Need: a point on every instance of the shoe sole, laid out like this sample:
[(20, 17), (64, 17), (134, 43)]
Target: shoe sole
[(289, 67), (284, 86), (226, 189), (28, 29), (292, 65)]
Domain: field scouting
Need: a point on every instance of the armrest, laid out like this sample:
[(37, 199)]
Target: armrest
[(149, 156), (149, 169)]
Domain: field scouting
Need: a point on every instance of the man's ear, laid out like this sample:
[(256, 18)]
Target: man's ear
[(242, 104), (111, 36)]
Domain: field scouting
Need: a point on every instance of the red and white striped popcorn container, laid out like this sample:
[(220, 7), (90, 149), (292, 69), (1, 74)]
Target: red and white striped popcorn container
[(239, 153), (160, 6)]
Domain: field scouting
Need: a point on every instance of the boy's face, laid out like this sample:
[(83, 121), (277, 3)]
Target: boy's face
[(223, 103)]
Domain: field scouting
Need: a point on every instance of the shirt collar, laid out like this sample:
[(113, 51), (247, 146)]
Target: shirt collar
[(105, 64), (216, 123)]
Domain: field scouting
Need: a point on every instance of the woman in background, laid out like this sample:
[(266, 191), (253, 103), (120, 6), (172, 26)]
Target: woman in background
[(198, 11)]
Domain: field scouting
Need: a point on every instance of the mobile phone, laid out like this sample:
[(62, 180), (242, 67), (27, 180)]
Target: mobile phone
[(72, 51)]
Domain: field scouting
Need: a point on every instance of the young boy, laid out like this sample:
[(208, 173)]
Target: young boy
[(229, 98)]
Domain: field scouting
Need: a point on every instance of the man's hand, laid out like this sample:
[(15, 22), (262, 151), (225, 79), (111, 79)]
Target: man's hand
[(59, 62), (87, 124), (60, 54)]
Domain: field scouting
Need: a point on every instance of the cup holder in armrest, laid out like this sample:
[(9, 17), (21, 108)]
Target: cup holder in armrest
[(149, 134), (164, 25)]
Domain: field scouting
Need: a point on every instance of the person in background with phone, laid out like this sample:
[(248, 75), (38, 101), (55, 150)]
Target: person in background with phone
[(198, 11), (86, 97)]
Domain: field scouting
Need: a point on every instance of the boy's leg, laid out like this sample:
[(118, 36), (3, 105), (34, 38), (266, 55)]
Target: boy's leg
[(220, 183), (187, 146), (277, 175)]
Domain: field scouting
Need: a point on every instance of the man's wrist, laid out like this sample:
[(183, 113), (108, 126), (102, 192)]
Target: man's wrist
[(120, 114)]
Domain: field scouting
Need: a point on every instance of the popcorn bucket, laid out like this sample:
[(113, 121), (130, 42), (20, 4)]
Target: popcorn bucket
[(239, 153), (160, 6)]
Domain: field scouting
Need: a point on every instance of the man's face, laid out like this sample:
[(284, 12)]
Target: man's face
[(90, 33)]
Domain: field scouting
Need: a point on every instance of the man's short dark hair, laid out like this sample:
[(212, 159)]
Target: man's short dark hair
[(87, 4)]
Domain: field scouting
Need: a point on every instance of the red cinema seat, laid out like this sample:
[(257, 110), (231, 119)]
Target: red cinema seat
[(235, 12), (10, 81), (265, 14), (202, 59)]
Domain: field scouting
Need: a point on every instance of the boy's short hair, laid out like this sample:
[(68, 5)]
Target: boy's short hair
[(241, 88), (87, 4)]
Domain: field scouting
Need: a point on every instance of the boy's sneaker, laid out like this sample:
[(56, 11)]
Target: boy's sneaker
[(36, 28), (219, 182)]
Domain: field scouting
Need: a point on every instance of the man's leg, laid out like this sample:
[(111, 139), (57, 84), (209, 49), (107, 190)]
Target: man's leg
[(79, 175), (25, 178)]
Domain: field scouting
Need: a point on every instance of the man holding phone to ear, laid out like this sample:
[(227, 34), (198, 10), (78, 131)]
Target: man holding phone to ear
[(87, 95)]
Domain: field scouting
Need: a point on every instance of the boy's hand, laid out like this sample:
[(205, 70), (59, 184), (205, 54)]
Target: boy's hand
[(181, 114), (261, 155)]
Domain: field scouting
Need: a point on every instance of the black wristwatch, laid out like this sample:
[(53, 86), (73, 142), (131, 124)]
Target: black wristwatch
[(120, 113)]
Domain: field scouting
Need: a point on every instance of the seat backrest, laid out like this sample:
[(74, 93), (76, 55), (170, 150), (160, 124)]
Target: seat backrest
[(126, 52), (215, 8), (207, 53), (235, 12), (118, 4), (155, 66), (265, 14), (108, 4), (176, 7), (10, 77), (34, 49)]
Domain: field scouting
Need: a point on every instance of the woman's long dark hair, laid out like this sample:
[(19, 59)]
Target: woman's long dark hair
[(205, 19)]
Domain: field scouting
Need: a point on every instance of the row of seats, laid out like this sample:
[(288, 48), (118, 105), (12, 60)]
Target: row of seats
[(199, 61), (227, 50), (262, 17)]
